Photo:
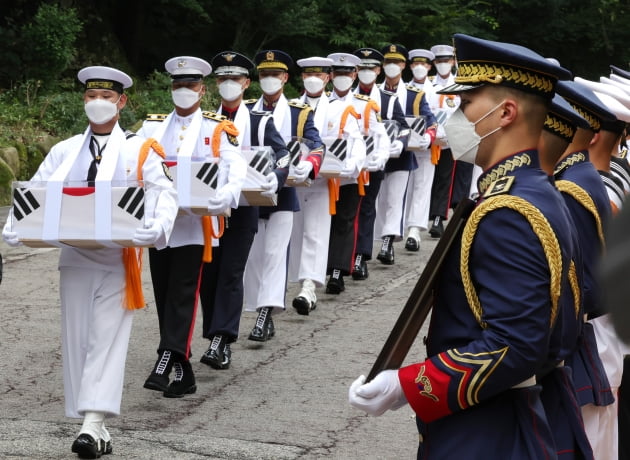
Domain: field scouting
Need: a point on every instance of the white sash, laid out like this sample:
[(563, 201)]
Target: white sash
[(281, 116)]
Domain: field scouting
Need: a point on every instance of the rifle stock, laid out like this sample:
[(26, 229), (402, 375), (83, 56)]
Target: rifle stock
[(420, 301)]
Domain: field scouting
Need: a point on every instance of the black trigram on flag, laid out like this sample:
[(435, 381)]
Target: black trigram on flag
[(391, 127), (441, 117), (418, 125), (24, 203), (209, 174), (132, 202), (294, 152), (339, 149), (369, 144), (261, 161)]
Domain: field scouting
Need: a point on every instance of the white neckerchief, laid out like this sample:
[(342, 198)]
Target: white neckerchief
[(242, 122), (281, 116), (319, 118)]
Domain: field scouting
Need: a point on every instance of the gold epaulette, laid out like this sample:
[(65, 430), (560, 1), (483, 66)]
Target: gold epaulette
[(499, 187), (415, 89), (250, 101), (362, 97), (156, 116), (214, 116), (299, 105)]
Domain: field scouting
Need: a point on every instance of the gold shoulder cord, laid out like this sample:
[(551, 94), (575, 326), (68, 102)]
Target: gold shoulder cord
[(575, 288), (541, 228), (581, 196), (302, 121)]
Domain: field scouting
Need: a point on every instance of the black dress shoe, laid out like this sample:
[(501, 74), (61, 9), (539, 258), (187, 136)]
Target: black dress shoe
[(359, 270), (184, 381), (261, 330), (216, 356), (437, 228), (158, 380), (107, 447), (335, 284), (412, 245), (85, 446), (386, 254), (302, 305)]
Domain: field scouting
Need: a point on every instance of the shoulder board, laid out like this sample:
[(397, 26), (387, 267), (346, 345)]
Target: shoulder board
[(499, 186), (250, 101), (415, 89), (214, 116), (297, 104), (156, 116), (362, 97), (129, 134)]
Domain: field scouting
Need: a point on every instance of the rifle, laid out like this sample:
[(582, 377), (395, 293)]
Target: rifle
[(420, 301)]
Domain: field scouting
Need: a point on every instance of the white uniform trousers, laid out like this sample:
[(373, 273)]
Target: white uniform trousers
[(308, 251), (601, 423), (418, 201), (95, 329), (390, 205), (265, 275)]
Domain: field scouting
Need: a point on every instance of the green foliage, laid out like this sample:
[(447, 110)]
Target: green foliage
[(49, 39)]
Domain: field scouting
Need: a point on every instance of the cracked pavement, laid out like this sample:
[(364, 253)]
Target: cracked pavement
[(284, 399)]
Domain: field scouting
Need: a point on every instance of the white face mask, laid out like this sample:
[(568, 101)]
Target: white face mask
[(342, 83), (100, 111), (185, 98), (270, 85), (419, 72), (444, 68), (392, 70), (313, 85), (367, 76), (230, 90), (463, 139)]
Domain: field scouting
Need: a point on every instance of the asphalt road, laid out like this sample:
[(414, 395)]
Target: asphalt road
[(284, 399)]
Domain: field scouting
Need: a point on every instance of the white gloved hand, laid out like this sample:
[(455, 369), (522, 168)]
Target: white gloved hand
[(349, 168), (271, 186), (11, 238), (381, 394), (425, 143), (375, 163), (219, 203), (148, 234), (440, 137), (395, 148), (302, 170)]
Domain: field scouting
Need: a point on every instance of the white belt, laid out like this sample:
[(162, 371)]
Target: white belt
[(526, 383)]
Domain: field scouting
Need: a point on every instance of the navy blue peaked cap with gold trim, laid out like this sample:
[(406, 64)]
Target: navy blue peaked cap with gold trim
[(586, 103), (562, 119), (273, 60), (485, 62)]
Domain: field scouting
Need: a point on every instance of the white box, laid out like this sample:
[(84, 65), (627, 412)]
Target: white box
[(391, 128), (417, 129), (298, 150), (337, 149), (75, 222), (259, 164), (195, 188)]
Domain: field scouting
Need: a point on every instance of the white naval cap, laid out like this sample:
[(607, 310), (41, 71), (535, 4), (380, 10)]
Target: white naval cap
[(443, 51), (344, 61), (625, 87), (612, 103), (187, 68), (315, 64), (611, 90), (101, 77), (421, 55)]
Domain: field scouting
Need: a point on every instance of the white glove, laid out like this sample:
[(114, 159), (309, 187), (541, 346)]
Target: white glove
[(219, 203), (11, 238), (302, 170), (440, 137), (375, 163), (147, 235), (349, 168), (381, 394), (425, 143), (395, 148), (271, 186)]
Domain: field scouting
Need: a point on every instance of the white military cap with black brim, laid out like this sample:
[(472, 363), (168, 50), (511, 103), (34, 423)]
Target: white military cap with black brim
[(187, 68), (101, 77), (344, 62), (619, 71), (231, 63), (421, 55), (485, 62), (315, 64), (443, 51)]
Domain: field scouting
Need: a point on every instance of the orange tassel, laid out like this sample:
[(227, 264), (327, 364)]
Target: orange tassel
[(134, 297), (333, 195), (435, 153), (363, 180)]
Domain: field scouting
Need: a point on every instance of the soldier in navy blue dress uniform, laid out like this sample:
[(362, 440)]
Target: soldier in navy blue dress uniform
[(497, 294)]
